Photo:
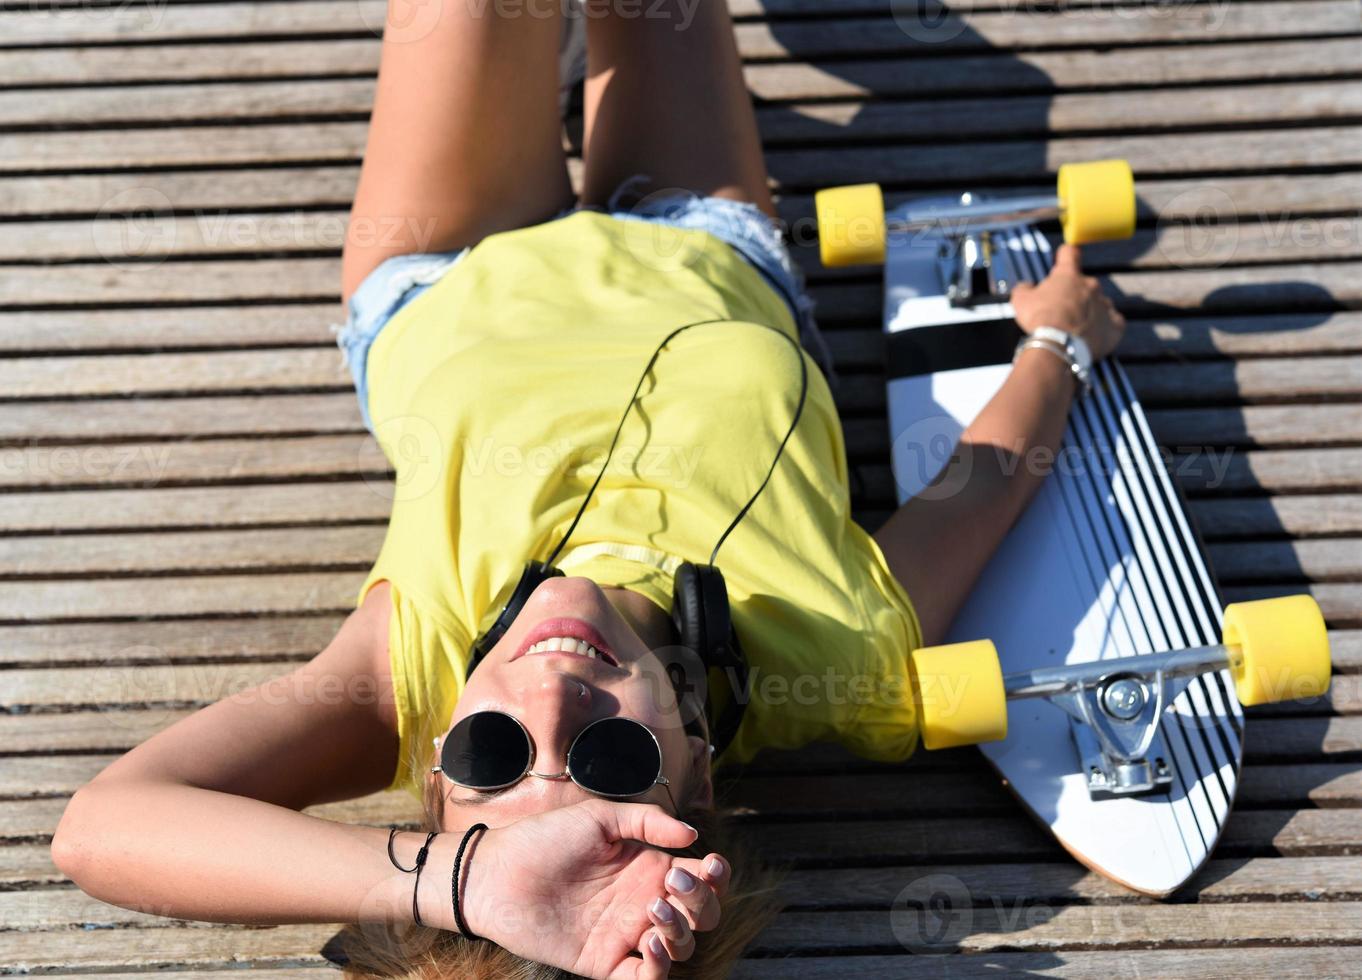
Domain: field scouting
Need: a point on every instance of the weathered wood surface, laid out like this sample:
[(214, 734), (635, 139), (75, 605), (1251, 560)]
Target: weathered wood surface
[(188, 502)]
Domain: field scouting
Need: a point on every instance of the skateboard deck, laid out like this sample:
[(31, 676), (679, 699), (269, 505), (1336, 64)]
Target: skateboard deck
[(1103, 565)]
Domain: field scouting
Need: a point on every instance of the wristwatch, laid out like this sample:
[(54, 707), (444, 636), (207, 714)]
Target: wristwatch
[(1072, 349)]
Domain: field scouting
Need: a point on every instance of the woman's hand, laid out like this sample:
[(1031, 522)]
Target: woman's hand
[(580, 888), (1071, 301)]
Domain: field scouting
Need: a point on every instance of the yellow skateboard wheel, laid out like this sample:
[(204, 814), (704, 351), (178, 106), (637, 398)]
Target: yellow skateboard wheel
[(1279, 649), (959, 694), (1097, 201), (850, 225)]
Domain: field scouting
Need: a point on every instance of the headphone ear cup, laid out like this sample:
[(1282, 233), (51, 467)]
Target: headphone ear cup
[(688, 610), (534, 574)]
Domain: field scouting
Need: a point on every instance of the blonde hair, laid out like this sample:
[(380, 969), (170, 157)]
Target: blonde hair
[(410, 952)]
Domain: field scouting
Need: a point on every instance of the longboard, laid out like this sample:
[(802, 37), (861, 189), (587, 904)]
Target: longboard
[(1103, 564), (1092, 661)]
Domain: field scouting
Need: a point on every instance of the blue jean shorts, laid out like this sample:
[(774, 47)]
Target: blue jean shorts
[(753, 234)]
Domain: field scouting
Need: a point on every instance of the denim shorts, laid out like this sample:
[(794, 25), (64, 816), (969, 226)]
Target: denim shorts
[(751, 233)]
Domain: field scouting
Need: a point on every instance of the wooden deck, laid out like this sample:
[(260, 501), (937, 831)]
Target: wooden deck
[(187, 501)]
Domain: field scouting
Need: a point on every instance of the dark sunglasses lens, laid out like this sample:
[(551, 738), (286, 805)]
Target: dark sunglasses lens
[(615, 757), (485, 750)]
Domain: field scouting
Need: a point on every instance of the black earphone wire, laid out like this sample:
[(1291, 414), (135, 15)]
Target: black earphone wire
[(633, 400)]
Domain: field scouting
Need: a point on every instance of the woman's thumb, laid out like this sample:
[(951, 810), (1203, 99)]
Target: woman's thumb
[(646, 822)]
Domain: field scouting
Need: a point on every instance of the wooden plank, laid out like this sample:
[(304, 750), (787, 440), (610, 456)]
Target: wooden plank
[(151, 464), (150, 418), (195, 507), (1304, 516), (29, 821), (804, 168), (1046, 70), (85, 731), (1243, 336), (1252, 381), (968, 163), (260, 326), (797, 39), (1009, 115), (205, 946), (1287, 738), (1243, 962), (91, 331), (319, 369), (1319, 287), (1017, 71), (144, 374), (156, 684), (1067, 927), (1259, 426), (1332, 560), (333, 548), (204, 595), (302, 187), (1271, 471), (1184, 429), (1292, 833), (180, 641), (1266, 237), (1231, 880), (1270, 739), (355, 501)]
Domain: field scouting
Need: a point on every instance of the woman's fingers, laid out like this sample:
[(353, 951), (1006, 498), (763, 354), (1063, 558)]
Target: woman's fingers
[(694, 898), (673, 929), (712, 869), (655, 964)]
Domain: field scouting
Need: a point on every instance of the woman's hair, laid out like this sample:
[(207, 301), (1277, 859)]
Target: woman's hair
[(410, 952)]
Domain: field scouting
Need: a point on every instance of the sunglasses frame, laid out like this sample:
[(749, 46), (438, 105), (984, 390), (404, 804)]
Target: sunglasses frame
[(566, 774)]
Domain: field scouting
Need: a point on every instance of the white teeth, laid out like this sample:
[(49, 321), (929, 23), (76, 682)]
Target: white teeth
[(566, 644)]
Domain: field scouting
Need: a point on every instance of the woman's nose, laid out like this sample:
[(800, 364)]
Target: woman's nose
[(559, 706)]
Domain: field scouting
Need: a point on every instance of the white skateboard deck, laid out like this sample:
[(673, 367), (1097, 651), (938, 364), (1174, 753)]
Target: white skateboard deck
[(1102, 565)]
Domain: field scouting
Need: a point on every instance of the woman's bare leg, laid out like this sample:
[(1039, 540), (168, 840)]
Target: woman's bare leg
[(465, 138), (665, 96)]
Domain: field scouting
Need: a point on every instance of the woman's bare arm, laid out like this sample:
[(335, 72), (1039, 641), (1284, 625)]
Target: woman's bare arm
[(938, 543), (201, 820)]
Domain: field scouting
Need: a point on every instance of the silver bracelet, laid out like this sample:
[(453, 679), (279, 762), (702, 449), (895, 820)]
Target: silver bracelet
[(1079, 374)]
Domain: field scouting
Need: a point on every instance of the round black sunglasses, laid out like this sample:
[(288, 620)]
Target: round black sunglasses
[(611, 757)]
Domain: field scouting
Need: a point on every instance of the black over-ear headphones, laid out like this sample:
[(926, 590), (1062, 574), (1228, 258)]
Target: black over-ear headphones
[(700, 610)]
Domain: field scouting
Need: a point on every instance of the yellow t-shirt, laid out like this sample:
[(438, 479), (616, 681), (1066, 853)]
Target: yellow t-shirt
[(494, 395)]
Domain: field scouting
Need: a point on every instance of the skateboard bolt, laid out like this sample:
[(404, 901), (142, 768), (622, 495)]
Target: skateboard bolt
[(1124, 698)]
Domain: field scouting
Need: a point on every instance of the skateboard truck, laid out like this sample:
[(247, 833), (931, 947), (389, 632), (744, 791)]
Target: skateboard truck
[(1092, 201), (1115, 707), (974, 269), (1275, 650)]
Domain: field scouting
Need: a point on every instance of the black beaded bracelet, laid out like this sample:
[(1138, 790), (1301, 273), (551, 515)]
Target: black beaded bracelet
[(454, 882)]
